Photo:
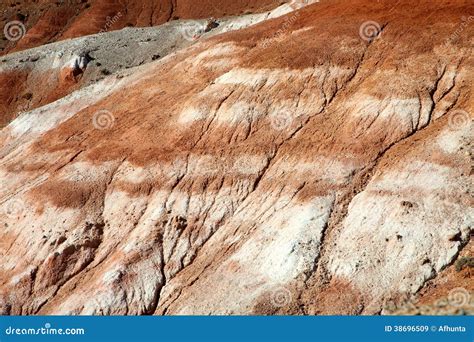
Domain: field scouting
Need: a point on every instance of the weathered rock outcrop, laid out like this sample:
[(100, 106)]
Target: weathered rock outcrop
[(45, 21), (316, 163), (36, 77)]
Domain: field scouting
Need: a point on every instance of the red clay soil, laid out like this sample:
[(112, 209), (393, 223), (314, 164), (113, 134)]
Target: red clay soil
[(18, 95), (313, 50), (48, 21), (12, 95)]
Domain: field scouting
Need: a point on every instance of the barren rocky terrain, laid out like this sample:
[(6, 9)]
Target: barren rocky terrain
[(237, 157), (49, 21)]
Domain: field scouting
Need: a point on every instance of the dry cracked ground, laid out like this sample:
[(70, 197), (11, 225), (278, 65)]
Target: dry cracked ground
[(236, 157)]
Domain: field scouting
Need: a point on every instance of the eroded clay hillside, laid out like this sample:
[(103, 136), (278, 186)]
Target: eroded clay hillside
[(35, 77), (49, 21), (320, 162)]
